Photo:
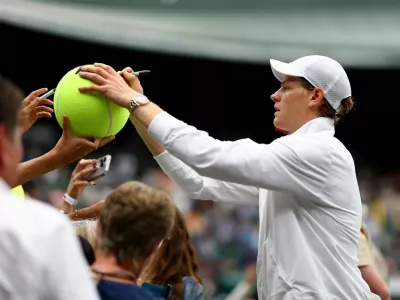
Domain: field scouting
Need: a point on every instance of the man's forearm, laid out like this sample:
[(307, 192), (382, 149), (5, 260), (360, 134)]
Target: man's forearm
[(36, 167), (154, 147), (146, 113)]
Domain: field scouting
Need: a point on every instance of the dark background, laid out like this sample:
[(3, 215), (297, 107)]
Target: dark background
[(229, 100)]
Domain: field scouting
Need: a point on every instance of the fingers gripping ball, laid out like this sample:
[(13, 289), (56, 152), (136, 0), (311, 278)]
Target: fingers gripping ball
[(90, 114), (18, 192)]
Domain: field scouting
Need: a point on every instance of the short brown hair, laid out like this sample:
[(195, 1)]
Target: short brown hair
[(326, 110), (11, 97), (134, 219)]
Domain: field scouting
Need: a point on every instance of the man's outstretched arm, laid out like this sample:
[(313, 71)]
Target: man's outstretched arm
[(192, 183), (277, 166)]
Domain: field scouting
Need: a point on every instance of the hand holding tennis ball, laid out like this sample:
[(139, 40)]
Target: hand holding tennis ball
[(70, 148), (109, 83)]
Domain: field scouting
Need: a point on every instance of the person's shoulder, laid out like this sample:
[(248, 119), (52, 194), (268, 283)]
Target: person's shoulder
[(118, 290), (29, 229), (43, 208), (309, 145), (303, 147), (30, 217), (44, 213)]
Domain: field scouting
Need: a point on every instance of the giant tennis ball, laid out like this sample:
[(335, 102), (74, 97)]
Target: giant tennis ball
[(90, 114), (18, 192)]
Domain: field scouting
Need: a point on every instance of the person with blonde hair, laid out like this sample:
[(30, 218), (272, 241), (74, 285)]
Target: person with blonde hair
[(86, 229)]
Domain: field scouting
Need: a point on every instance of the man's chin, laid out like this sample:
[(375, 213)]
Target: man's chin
[(279, 127), (277, 123)]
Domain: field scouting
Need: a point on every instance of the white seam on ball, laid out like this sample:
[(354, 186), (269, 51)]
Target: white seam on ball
[(109, 117)]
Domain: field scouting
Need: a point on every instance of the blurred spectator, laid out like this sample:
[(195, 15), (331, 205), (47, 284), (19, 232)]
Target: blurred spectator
[(175, 262), (39, 253), (134, 220), (367, 267)]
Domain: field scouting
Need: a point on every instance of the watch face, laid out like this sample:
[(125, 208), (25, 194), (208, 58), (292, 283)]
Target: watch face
[(141, 99)]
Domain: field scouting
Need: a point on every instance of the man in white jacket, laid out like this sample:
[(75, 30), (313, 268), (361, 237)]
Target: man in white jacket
[(304, 183)]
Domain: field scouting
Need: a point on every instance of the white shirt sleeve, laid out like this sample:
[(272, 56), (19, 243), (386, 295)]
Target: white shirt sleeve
[(205, 188), (289, 164), (67, 274)]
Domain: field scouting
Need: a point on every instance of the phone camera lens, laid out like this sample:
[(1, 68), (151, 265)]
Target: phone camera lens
[(102, 162)]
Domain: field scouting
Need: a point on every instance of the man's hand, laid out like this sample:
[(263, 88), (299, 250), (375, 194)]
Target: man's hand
[(71, 148), (110, 84), (132, 80), (33, 108), (114, 87)]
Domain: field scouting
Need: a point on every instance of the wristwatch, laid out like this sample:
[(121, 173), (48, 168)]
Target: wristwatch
[(136, 101)]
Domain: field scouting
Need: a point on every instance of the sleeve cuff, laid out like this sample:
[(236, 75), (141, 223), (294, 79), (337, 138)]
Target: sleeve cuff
[(167, 162), (162, 125)]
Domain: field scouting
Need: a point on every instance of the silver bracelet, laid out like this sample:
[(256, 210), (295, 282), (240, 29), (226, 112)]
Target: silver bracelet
[(132, 105)]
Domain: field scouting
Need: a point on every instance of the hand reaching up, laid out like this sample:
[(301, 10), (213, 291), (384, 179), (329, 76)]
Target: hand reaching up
[(34, 108)]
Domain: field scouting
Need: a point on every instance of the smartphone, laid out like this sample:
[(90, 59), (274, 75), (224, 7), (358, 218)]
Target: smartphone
[(103, 165)]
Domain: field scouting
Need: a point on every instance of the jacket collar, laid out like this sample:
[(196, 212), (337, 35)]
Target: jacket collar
[(320, 125)]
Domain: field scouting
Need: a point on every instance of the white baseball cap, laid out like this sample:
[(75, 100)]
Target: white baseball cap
[(320, 71)]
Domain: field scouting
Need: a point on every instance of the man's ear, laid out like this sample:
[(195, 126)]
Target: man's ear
[(317, 97)]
